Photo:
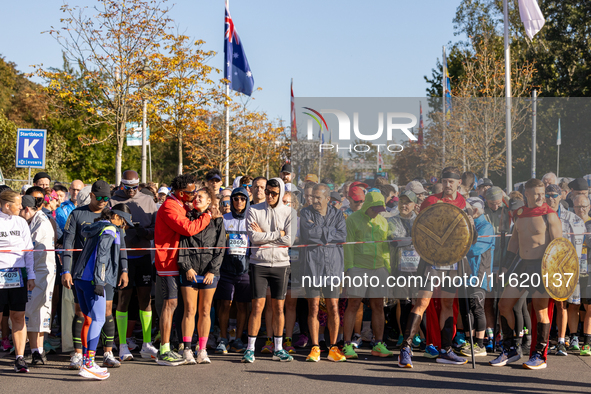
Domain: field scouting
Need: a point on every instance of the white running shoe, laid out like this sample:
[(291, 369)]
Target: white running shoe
[(76, 361), (124, 353), (189, 358), (132, 344), (110, 361), (202, 357), (148, 350), (94, 372)]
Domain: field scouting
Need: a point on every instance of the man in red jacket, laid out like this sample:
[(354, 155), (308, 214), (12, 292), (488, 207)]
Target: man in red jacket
[(171, 223)]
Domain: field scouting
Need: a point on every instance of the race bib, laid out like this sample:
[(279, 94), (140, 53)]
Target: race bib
[(447, 267), (11, 278), (409, 259), (583, 265), (237, 244)]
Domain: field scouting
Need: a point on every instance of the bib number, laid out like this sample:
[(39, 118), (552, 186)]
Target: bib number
[(11, 278), (237, 244), (583, 264), (294, 255), (409, 260)]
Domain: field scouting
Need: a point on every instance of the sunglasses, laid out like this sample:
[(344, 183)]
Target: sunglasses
[(359, 202), (270, 193), (239, 198), (552, 196), (249, 186), (130, 187), (225, 203), (101, 198), (188, 192)]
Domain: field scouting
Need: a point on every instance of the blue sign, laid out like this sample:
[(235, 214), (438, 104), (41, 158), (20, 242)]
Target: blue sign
[(134, 136), (31, 148)]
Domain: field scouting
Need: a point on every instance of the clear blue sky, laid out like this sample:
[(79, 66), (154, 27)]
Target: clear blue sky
[(375, 48)]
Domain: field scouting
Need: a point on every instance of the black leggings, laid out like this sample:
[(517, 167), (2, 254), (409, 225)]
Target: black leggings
[(522, 318), (476, 297)]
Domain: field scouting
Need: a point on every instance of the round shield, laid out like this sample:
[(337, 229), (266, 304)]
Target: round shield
[(560, 269), (442, 234)]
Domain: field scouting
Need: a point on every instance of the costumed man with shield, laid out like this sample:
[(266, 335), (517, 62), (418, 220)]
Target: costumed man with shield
[(541, 252), (442, 235)]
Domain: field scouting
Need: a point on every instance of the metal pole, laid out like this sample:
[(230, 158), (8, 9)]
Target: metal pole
[(150, 159), (29, 181), (444, 85), (144, 121), (533, 136), (558, 163), (463, 149), (509, 168), (228, 125)]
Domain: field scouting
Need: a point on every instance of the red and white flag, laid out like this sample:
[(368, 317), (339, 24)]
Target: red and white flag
[(531, 16), (294, 129)]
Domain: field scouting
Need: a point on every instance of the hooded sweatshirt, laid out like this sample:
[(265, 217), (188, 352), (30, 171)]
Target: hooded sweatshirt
[(236, 259), (143, 210), (272, 221), (361, 227)]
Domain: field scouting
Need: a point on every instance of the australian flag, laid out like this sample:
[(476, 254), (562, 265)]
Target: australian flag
[(236, 68)]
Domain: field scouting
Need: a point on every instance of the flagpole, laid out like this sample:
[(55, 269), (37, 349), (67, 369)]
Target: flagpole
[(558, 143), (444, 85), (533, 136), (509, 165), (228, 124)]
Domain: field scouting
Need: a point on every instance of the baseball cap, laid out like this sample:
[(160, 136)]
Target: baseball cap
[(124, 215), (101, 189), (360, 184), (485, 182), (494, 193), (163, 190), (356, 193), (311, 178), (476, 202), (286, 168), (553, 189), (214, 176), (28, 201), (41, 175), (579, 184), (410, 195), (416, 187), (336, 196), (25, 188)]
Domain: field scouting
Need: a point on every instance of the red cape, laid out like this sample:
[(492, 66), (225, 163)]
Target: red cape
[(459, 202), (525, 212)]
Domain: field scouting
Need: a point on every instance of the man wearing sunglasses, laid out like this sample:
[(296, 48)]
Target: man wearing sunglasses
[(143, 210), (99, 198), (269, 226), (572, 229), (234, 283)]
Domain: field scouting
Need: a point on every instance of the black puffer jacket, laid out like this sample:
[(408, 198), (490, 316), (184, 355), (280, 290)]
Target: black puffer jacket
[(203, 260)]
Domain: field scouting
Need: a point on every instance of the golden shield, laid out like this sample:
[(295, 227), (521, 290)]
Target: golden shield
[(560, 269)]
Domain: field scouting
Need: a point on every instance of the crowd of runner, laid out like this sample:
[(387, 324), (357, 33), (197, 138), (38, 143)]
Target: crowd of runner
[(221, 267)]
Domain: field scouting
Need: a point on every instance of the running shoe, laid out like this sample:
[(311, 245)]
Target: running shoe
[(449, 357), (76, 361), (302, 341), (357, 341), (380, 350), (6, 346), (489, 346), (349, 352), (93, 372), (148, 350), (296, 329), (238, 346), (586, 350), (39, 358), (110, 361), (282, 355), (20, 365), (367, 334), (335, 354), (400, 340), (459, 340), (188, 356), (202, 357), (288, 347), (314, 354), (248, 356), (124, 353), (561, 349), (574, 343), (405, 357), (431, 352), (269, 347), (170, 359), (222, 347), (506, 357), (478, 351), (416, 341), (132, 344), (535, 362)]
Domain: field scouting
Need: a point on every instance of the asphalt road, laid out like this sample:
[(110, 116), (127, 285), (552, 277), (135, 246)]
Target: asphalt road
[(367, 374)]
